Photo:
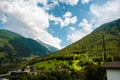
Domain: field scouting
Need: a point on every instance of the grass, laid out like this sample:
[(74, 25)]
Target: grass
[(75, 65), (72, 64), (2, 54), (51, 64)]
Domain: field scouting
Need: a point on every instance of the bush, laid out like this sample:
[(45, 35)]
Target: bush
[(94, 72)]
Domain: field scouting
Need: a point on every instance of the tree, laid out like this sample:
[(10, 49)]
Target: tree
[(22, 77), (93, 72)]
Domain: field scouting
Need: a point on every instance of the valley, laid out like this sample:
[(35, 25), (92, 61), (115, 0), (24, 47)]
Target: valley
[(81, 60)]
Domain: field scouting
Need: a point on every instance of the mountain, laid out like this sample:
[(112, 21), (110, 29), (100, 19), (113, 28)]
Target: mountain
[(82, 59), (49, 47), (103, 42), (15, 49), (105, 38), (23, 46)]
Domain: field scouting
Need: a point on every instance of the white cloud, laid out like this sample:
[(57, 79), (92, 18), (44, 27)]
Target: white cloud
[(103, 13), (28, 12), (85, 28), (84, 1), (44, 2), (75, 35), (49, 5), (71, 2), (3, 18), (26, 18), (66, 19), (67, 14), (72, 28)]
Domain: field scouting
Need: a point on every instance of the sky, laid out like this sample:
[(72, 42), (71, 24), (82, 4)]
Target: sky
[(56, 22)]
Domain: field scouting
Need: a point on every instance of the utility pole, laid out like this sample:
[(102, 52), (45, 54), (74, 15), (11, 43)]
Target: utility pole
[(104, 48)]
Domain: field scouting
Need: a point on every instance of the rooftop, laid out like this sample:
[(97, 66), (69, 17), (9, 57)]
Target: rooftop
[(112, 65)]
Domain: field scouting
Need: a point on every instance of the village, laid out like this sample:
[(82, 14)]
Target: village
[(26, 70), (30, 70)]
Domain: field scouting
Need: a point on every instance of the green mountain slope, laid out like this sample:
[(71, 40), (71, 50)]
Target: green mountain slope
[(15, 48), (49, 47), (82, 59), (24, 46), (107, 37)]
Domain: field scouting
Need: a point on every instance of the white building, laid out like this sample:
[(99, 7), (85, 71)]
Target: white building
[(113, 70)]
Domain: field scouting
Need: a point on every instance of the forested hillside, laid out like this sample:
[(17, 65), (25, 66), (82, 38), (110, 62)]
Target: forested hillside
[(105, 39), (83, 59), (15, 48)]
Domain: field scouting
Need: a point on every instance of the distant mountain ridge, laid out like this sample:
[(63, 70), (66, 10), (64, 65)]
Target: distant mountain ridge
[(16, 49), (24, 46), (49, 47)]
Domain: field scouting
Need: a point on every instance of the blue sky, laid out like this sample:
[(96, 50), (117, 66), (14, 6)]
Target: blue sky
[(56, 22)]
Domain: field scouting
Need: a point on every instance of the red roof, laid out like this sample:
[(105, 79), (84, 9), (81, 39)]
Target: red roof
[(112, 65)]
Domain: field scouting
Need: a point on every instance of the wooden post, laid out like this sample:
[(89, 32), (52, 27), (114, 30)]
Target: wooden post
[(104, 49)]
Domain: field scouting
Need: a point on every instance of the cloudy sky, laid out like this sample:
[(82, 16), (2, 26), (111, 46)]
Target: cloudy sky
[(56, 22)]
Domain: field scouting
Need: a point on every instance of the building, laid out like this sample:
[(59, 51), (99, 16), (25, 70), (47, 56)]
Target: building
[(27, 69), (3, 79), (112, 70), (17, 73)]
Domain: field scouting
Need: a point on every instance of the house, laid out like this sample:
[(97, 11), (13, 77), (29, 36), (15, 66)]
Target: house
[(17, 73), (30, 70), (27, 69), (113, 70), (3, 79), (33, 73)]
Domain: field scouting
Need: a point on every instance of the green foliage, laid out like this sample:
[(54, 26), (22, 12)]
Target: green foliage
[(93, 45), (22, 77), (94, 72), (51, 64), (82, 59), (14, 49), (52, 75), (10, 41), (89, 53)]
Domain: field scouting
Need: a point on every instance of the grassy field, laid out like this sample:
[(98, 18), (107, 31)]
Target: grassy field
[(75, 65), (50, 64), (2, 54)]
